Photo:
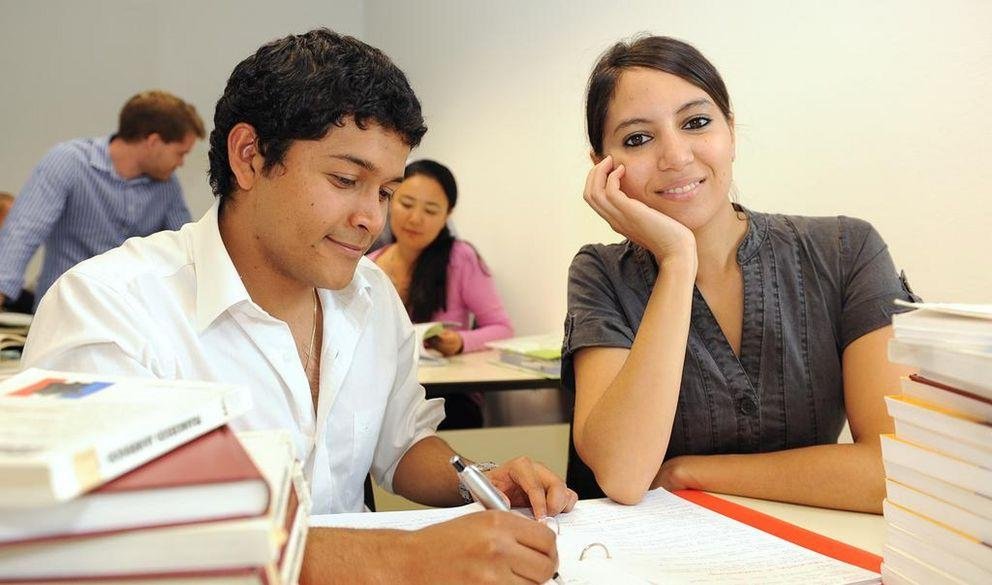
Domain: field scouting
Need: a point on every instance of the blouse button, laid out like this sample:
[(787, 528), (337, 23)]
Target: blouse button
[(748, 405)]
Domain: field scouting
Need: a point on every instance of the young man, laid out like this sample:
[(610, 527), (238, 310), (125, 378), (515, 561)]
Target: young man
[(271, 290), (88, 195)]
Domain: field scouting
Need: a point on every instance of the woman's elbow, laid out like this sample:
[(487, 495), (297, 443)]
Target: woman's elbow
[(620, 480), (626, 491)]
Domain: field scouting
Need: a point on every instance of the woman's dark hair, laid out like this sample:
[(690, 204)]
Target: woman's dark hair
[(429, 281), (295, 88), (662, 53)]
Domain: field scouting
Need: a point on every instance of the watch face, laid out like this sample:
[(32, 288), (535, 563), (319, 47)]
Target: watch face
[(482, 466)]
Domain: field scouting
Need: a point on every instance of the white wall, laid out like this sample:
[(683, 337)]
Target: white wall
[(67, 67), (870, 109)]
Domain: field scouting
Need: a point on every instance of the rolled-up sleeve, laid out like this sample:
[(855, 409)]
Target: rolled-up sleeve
[(409, 416), (871, 282)]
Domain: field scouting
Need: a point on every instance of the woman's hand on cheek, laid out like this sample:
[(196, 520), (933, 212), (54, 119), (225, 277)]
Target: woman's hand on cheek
[(655, 231)]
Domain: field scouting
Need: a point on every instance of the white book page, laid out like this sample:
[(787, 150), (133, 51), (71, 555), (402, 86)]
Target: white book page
[(70, 411), (959, 309), (406, 520), (664, 539)]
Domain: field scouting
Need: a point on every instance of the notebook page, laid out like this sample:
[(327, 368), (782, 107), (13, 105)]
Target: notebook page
[(668, 539), (406, 520)]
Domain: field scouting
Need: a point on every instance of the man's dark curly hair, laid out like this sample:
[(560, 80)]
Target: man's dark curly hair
[(296, 87)]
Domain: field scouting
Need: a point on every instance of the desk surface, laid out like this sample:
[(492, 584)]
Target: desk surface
[(549, 443), (865, 531), (479, 372)]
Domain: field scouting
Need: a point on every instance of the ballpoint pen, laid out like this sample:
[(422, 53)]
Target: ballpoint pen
[(479, 485), (483, 490)]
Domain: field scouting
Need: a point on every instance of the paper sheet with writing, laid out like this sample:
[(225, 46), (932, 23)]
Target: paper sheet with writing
[(410, 520), (664, 539)]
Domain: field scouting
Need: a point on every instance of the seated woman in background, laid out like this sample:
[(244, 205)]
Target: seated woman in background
[(717, 348), (440, 278)]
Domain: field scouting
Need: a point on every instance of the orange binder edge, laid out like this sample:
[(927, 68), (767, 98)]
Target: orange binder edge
[(786, 531)]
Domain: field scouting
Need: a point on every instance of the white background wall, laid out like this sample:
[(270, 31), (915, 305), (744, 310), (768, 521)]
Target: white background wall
[(870, 109), (67, 67)]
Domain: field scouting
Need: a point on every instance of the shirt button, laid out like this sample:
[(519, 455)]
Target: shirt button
[(748, 406)]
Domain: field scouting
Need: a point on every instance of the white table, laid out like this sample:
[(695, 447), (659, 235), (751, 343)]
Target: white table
[(479, 372), (864, 531)]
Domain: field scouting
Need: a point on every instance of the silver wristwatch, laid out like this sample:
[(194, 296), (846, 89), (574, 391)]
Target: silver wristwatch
[(482, 466)]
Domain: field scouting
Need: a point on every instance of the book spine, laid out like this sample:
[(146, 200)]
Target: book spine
[(291, 561), (960, 473)]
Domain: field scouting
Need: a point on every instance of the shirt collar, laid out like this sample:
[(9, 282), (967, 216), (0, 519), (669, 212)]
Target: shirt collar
[(757, 228), (219, 286), (100, 155), (100, 159)]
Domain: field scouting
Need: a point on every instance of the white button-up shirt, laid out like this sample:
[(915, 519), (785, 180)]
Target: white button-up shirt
[(172, 306)]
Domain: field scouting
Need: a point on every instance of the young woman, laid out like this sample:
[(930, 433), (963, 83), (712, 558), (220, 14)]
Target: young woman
[(440, 278), (718, 348)]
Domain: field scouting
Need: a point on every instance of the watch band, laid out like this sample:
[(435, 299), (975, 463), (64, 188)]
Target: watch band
[(482, 466)]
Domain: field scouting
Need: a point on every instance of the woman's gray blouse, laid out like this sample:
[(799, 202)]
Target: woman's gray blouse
[(812, 285)]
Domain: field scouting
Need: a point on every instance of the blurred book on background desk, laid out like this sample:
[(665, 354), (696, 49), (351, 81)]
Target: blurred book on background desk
[(13, 335), (536, 353)]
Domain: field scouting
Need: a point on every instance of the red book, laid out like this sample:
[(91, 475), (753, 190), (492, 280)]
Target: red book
[(209, 478), (284, 571)]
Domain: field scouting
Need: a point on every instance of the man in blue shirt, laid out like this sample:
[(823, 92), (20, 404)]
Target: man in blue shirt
[(88, 195), (25, 300)]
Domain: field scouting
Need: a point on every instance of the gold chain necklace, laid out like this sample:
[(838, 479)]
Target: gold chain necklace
[(313, 337)]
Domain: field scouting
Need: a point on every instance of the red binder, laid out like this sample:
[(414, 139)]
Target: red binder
[(782, 529)]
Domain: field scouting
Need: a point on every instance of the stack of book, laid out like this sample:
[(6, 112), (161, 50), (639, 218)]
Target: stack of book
[(938, 465), (113, 480), (13, 335), (536, 353)]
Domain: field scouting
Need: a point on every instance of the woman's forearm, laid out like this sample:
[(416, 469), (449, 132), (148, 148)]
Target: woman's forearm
[(843, 476), (626, 433)]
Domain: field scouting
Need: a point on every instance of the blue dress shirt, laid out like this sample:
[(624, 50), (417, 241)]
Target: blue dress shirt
[(78, 206)]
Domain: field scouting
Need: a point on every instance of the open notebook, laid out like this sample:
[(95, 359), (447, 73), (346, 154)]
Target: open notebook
[(664, 539)]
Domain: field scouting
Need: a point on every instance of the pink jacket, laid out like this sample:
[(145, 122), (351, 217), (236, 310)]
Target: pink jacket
[(471, 292)]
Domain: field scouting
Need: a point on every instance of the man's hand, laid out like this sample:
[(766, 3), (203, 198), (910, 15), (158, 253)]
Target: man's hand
[(529, 484), (485, 547)]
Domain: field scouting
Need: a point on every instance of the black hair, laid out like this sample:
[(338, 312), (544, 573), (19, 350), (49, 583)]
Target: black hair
[(662, 53), (429, 281), (296, 87)]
